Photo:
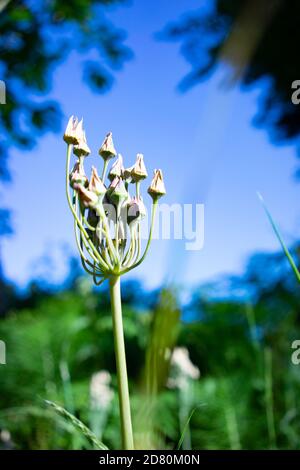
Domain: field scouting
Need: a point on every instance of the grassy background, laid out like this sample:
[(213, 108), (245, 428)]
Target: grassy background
[(238, 332)]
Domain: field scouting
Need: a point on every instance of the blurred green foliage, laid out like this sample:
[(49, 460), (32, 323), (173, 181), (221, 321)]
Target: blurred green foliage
[(238, 332)]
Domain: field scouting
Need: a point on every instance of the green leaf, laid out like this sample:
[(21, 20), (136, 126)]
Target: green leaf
[(77, 424), (277, 233)]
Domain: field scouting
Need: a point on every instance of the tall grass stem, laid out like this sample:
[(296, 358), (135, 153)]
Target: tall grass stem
[(269, 397)]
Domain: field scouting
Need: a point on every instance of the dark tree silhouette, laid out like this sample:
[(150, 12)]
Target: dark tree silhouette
[(35, 38), (259, 39)]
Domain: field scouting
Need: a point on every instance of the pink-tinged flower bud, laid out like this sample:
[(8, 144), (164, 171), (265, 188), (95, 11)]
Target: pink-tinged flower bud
[(139, 171), (77, 175), (136, 210), (72, 132), (87, 197), (96, 185), (117, 192), (117, 169), (107, 149), (82, 149), (157, 186)]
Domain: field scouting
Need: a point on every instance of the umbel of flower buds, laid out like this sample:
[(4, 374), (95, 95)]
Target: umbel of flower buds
[(107, 149), (107, 218), (157, 187)]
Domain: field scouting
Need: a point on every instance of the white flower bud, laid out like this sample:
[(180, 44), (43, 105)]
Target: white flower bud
[(82, 149), (96, 185), (139, 171), (157, 186), (117, 192), (72, 133), (87, 197), (77, 175), (136, 210), (117, 169), (107, 149), (127, 174)]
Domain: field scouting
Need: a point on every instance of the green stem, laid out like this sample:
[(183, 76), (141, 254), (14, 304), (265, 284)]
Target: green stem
[(131, 250), (104, 170), (124, 403), (137, 186)]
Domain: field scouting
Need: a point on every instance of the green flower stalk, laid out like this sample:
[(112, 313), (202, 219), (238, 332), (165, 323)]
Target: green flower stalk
[(107, 224)]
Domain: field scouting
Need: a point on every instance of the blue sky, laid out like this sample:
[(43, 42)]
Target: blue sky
[(203, 140)]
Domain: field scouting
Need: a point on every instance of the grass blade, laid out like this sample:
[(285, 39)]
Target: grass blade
[(283, 245), (77, 424), (185, 427)]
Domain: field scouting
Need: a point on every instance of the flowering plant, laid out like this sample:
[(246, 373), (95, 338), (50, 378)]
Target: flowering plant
[(105, 253)]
